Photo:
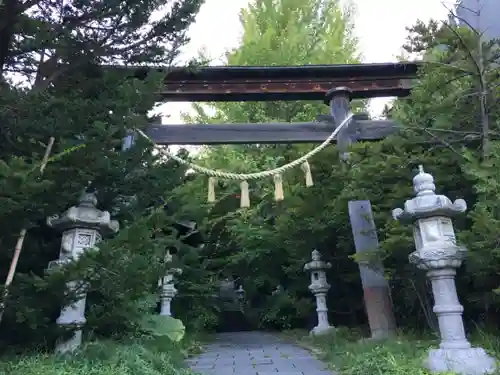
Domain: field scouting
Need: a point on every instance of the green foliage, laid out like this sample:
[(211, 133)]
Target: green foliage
[(102, 358), (286, 32), (284, 311), (403, 354), (196, 302), (482, 237), (62, 89), (121, 33), (455, 104), (400, 356), (163, 327), (455, 99)]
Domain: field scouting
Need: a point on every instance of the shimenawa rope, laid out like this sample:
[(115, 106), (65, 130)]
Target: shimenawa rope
[(243, 177)]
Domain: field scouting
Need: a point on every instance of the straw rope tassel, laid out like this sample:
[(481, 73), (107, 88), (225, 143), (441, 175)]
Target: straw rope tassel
[(211, 189), (245, 195), (278, 187), (308, 175)]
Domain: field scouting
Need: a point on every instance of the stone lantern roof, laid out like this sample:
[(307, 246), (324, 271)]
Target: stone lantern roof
[(85, 215), (426, 202), (317, 264)]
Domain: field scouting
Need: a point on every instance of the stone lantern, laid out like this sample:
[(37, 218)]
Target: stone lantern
[(240, 294), (192, 237), (319, 287), (437, 252), (277, 291), (168, 290), (82, 227), (240, 297)]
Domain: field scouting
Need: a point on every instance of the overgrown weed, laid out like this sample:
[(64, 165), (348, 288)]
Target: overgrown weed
[(132, 357), (345, 351)]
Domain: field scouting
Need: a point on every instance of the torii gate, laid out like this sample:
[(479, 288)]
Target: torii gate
[(336, 85)]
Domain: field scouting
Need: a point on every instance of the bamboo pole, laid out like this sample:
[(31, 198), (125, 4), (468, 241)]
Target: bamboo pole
[(20, 240)]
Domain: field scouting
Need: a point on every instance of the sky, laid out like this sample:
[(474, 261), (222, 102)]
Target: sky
[(380, 27)]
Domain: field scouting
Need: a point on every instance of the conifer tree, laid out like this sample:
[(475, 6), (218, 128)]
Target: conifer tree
[(54, 83)]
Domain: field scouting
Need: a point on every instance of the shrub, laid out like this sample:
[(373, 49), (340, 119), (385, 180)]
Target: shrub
[(103, 358), (404, 354)]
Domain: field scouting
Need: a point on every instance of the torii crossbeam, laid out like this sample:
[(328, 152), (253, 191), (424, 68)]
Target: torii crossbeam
[(273, 83), (279, 83)]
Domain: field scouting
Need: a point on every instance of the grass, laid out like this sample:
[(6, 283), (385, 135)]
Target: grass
[(401, 355), (133, 357), (343, 351)]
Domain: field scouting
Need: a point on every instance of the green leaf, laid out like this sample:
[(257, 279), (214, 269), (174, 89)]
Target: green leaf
[(160, 326)]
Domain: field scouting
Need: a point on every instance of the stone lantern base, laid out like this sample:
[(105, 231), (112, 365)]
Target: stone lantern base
[(70, 344), (320, 331), (466, 361)]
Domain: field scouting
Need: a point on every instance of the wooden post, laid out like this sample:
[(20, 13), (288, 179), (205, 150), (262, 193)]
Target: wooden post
[(339, 100), (375, 287), (376, 291)]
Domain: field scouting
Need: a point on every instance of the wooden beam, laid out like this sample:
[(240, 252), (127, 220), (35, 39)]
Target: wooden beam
[(265, 90), (271, 83), (303, 132)]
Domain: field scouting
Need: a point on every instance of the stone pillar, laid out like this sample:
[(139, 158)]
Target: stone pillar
[(82, 226), (437, 252), (168, 290), (319, 287)]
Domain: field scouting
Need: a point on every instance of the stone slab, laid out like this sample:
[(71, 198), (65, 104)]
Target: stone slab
[(255, 353)]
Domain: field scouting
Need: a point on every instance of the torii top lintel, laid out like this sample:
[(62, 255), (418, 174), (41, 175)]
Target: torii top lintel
[(271, 83)]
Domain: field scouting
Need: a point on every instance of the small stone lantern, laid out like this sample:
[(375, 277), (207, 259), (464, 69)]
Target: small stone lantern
[(240, 294), (168, 290), (438, 253), (82, 227), (277, 291), (319, 287)]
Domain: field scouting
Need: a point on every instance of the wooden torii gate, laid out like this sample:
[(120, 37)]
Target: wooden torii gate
[(336, 85), (281, 83)]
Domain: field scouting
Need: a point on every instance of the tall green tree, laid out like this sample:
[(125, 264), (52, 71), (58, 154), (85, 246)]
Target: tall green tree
[(55, 84)]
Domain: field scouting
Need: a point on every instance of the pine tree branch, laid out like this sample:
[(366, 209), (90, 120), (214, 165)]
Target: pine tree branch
[(20, 240)]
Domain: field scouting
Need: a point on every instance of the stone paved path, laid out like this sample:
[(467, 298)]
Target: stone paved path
[(255, 353)]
